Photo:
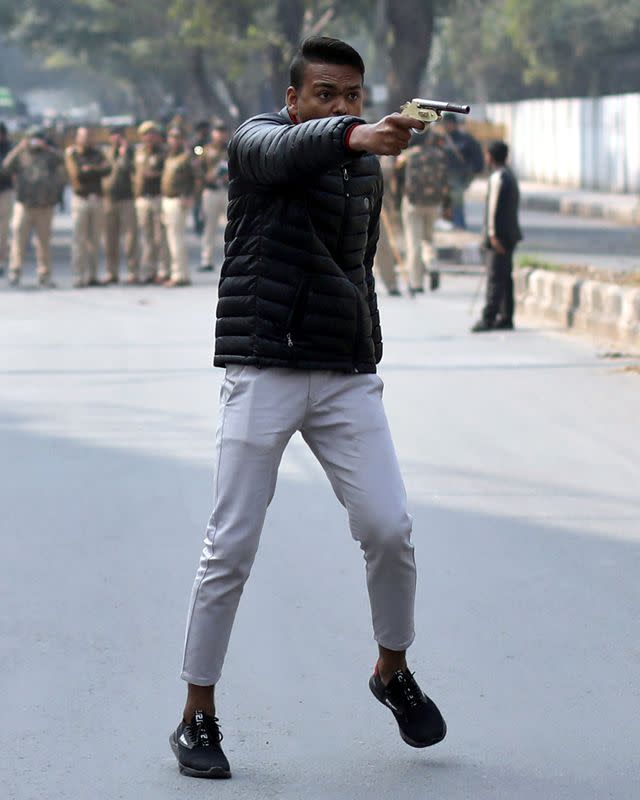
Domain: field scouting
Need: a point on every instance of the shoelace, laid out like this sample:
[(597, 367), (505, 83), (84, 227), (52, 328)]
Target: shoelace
[(409, 688), (207, 729)]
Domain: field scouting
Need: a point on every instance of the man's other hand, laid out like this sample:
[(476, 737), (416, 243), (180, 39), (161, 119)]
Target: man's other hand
[(497, 245), (389, 137)]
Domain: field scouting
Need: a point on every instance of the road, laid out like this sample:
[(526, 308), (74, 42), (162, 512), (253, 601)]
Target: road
[(522, 463), (567, 239)]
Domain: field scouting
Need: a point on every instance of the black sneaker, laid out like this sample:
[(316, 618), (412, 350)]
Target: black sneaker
[(503, 324), (434, 281), (205, 268), (197, 748), (420, 722), (482, 326)]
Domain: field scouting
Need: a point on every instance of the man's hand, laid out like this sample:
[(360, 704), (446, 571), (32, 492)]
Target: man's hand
[(497, 245), (389, 137)]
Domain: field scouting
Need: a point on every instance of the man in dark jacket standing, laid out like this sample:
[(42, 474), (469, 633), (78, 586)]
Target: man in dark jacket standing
[(500, 236), (299, 335)]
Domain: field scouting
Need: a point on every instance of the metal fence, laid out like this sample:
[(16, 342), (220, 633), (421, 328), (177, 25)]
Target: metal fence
[(583, 143)]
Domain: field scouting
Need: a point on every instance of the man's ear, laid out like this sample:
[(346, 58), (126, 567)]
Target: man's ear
[(292, 102)]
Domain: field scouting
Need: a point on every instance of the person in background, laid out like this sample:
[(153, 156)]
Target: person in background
[(7, 196), (387, 254), (465, 162), (214, 171), (178, 188), (147, 175), (86, 166), (120, 213), (38, 172), (501, 235), (426, 194), (198, 145)]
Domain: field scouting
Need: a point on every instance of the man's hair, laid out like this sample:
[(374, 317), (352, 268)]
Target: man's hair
[(498, 151), (323, 50)]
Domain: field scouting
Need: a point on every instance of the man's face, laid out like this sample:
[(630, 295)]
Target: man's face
[(328, 90), (219, 138), (175, 143), (83, 137), (116, 139)]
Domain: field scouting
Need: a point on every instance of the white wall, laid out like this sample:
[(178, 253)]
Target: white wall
[(586, 143)]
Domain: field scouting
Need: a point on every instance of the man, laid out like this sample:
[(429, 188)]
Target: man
[(86, 166), (149, 163), (501, 234), (198, 146), (178, 186), (119, 210), (38, 171), (299, 334), (387, 252), (465, 162), (7, 196), (426, 193), (213, 163)]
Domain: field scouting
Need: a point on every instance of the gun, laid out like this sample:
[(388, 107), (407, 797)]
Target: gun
[(430, 110)]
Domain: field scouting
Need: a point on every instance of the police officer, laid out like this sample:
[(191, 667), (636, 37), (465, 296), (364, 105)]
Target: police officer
[(148, 166), (120, 213), (39, 175), (426, 193), (214, 171), (198, 145), (178, 188), (7, 196), (465, 162), (87, 166)]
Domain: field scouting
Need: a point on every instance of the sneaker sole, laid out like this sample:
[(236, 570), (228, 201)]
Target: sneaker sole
[(215, 773), (407, 739)]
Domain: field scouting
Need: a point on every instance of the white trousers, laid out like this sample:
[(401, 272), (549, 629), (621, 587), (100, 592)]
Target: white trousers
[(214, 205), (342, 419), (418, 223), (174, 219), (88, 224)]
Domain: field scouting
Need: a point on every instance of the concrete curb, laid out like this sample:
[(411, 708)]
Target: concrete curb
[(624, 209), (595, 307)]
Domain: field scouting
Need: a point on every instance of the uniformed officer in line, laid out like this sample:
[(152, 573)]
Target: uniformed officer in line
[(148, 166), (387, 254), (120, 213), (178, 190), (86, 166), (215, 181), (426, 193), (39, 175), (198, 145), (7, 197)]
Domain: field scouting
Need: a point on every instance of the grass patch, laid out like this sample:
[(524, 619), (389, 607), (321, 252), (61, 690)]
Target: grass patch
[(580, 271)]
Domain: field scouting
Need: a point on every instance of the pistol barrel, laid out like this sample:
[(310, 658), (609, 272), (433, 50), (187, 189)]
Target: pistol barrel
[(438, 105)]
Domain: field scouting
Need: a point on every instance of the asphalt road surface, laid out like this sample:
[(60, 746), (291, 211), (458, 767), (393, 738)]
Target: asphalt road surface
[(567, 239), (522, 462)]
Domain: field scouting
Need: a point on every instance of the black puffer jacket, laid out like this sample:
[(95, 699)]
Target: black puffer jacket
[(297, 288)]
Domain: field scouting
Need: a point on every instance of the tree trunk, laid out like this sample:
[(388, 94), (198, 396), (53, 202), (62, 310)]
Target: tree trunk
[(290, 20), (411, 26), (198, 71)]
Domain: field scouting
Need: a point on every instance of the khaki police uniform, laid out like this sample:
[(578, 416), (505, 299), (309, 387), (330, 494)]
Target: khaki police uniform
[(386, 252), (86, 168), (39, 178), (178, 188), (120, 213), (213, 164), (426, 191), (148, 166)]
